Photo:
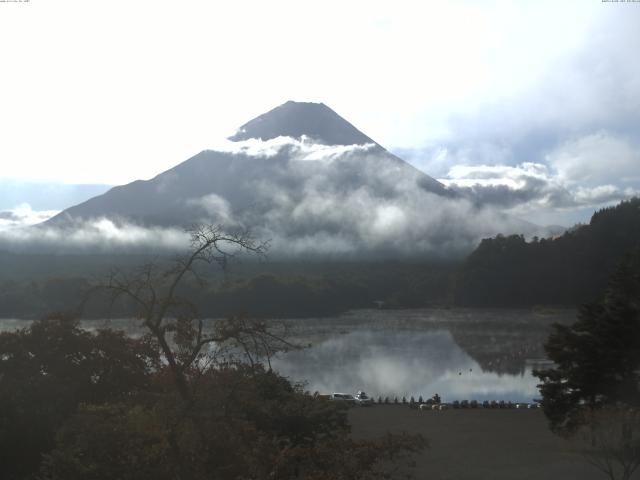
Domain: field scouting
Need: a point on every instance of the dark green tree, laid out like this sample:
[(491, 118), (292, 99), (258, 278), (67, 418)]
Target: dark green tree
[(246, 422), (597, 359), (51, 367)]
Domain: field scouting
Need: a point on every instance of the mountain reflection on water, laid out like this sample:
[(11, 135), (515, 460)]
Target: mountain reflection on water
[(460, 354)]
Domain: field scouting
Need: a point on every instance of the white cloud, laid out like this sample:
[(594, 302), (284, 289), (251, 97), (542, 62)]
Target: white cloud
[(356, 202), (304, 149), (114, 108), (311, 199), (99, 235), (595, 159), (217, 208), (603, 194), (386, 214), (23, 215), (528, 187)]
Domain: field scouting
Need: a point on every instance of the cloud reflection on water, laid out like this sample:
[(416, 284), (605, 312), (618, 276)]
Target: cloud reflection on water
[(405, 352), (401, 363)]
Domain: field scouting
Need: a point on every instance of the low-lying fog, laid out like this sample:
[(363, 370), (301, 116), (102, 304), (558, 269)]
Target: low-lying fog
[(458, 353)]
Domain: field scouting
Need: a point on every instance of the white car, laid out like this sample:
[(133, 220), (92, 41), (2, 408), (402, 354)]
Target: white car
[(342, 397), (363, 399)]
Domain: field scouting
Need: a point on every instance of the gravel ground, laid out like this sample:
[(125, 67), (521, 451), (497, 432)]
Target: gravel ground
[(479, 444)]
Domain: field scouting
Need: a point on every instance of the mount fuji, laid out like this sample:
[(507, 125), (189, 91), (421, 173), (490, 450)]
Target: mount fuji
[(309, 180)]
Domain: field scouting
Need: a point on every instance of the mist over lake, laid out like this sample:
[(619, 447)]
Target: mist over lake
[(457, 353), (482, 354)]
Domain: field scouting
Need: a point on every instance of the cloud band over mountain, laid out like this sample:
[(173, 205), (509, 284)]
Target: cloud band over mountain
[(308, 199), (304, 178)]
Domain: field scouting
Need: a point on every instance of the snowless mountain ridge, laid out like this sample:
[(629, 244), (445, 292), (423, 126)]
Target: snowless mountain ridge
[(315, 121), (291, 132), (304, 177)]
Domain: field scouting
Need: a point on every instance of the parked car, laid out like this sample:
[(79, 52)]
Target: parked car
[(343, 397), (363, 399)]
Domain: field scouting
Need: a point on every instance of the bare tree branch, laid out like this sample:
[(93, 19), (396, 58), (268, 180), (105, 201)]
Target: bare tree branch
[(154, 293)]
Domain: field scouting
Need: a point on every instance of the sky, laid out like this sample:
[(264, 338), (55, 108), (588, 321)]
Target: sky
[(533, 107)]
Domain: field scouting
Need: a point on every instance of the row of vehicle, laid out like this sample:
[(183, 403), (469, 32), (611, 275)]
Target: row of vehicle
[(363, 400), (475, 404), (360, 398)]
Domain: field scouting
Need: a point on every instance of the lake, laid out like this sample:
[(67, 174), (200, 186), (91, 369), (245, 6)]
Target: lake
[(460, 354)]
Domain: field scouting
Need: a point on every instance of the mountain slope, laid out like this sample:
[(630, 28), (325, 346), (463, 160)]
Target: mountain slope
[(250, 174), (315, 121), (305, 178)]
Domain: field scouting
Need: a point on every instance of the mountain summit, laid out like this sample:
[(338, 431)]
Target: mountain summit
[(315, 121), (304, 177)]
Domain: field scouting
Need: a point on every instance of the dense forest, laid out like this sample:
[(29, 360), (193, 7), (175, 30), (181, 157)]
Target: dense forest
[(567, 270), (260, 290), (505, 271)]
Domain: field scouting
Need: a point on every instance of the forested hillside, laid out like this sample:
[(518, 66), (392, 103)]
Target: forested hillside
[(504, 271), (259, 290), (569, 270)]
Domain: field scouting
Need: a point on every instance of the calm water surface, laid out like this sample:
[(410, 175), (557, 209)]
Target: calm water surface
[(458, 353)]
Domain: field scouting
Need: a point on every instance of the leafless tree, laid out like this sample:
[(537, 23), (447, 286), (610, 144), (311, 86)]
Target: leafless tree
[(173, 320), (610, 440)]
